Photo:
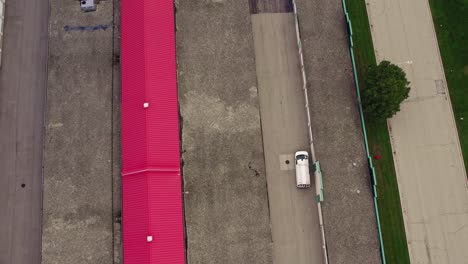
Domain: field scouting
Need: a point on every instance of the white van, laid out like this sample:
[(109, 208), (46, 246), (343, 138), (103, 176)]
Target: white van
[(302, 169)]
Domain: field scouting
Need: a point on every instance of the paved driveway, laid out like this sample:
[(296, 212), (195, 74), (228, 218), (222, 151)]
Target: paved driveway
[(293, 212)]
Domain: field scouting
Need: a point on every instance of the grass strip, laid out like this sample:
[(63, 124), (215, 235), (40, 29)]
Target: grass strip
[(391, 217), (451, 24)]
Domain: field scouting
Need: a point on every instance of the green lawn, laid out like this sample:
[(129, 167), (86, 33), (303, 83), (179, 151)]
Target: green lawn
[(451, 24), (391, 218)]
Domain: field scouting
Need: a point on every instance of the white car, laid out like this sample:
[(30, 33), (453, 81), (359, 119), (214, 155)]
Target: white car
[(302, 169)]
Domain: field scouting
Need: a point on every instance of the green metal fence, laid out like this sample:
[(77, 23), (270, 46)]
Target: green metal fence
[(363, 124)]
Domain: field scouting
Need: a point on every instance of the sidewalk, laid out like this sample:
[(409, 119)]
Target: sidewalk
[(431, 175)]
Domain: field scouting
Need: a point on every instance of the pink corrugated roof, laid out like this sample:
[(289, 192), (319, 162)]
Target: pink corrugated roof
[(151, 180)]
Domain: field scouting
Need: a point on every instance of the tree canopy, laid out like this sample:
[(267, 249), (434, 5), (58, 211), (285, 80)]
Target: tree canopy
[(386, 87)]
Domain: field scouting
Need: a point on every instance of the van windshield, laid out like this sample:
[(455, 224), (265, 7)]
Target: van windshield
[(301, 157)]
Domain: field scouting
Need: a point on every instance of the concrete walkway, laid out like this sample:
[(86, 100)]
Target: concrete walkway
[(431, 175)]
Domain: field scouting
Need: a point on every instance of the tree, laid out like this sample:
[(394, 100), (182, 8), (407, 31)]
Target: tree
[(386, 87)]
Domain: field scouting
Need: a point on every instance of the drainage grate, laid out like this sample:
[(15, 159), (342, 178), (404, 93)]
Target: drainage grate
[(287, 162)]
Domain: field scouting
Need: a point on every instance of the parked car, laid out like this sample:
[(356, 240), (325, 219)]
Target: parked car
[(302, 169)]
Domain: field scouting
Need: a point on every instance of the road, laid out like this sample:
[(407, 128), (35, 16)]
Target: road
[(23, 78), (430, 171), (293, 212)]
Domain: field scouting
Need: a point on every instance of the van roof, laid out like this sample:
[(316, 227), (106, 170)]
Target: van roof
[(302, 152)]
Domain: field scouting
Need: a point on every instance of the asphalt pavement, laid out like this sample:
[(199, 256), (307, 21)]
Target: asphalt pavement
[(80, 223), (348, 207), (428, 159), (226, 200), (23, 78), (293, 212)]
